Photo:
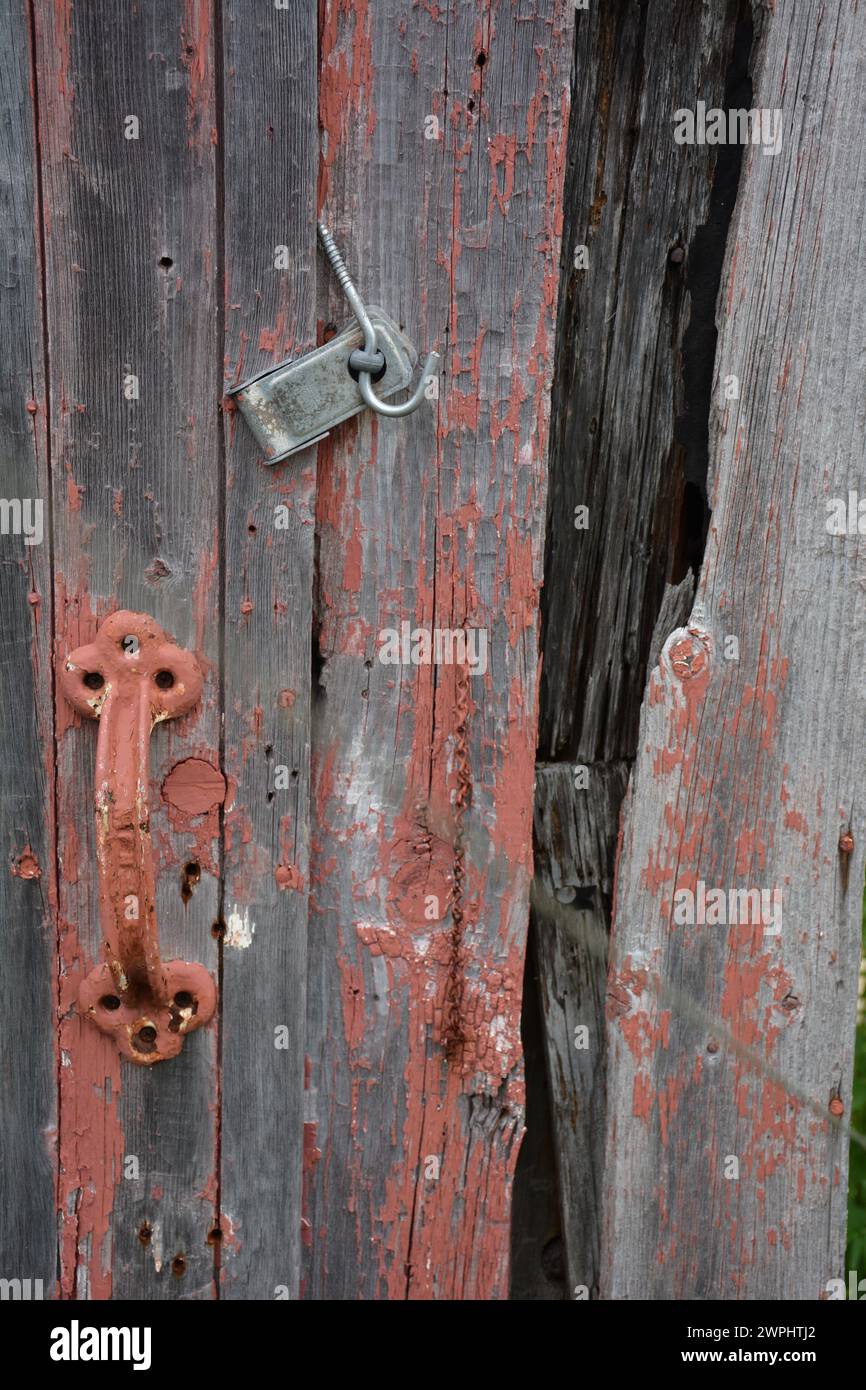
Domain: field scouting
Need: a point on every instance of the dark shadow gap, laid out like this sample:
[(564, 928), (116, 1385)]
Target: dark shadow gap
[(704, 265), (537, 1253)]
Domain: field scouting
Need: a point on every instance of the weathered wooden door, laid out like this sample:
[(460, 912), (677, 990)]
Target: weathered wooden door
[(342, 841)]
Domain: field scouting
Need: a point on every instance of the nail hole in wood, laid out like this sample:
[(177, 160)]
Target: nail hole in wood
[(189, 878)]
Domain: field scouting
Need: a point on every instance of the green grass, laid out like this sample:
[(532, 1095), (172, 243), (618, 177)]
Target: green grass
[(857, 1159)]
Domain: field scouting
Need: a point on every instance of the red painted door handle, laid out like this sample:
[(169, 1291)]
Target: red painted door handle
[(131, 677)]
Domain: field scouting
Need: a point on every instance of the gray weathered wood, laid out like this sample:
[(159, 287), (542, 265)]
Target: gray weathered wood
[(436, 521), (130, 275), (270, 164), (28, 1110), (729, 1043), (617, 447), (628, 440), (575, 837)]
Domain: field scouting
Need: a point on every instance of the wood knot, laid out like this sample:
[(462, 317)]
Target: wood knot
[(688, 657)]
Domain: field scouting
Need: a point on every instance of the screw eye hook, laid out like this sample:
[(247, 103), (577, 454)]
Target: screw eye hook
[(371, 347), (365, 385)]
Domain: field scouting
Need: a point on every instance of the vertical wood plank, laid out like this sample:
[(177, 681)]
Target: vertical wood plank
[(28, 1108), (575, 839), (620, 449), (270, 153), (442, 158), (643, 243), (750, 770), (127, 114)]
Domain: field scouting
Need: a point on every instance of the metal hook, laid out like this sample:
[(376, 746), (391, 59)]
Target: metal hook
[(370, 357)]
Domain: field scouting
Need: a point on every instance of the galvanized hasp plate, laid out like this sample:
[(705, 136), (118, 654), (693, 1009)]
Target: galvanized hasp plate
[(299, 403)]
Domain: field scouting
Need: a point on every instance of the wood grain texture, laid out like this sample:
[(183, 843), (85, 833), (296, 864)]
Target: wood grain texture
[(727, 1042), (632, 197), (575, 840), (435, 521), (28, 1066), (270, 137), (130, 271), (633, 360)]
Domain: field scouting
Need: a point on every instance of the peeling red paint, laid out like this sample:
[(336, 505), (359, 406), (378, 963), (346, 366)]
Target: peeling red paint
[(196, 57), (194, 792), (89, 1130), (288, 876), (194, 787), (403, 864), (27, 865)]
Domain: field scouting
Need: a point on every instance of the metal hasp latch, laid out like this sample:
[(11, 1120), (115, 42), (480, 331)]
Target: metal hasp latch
[(299, 403), (130, 678)]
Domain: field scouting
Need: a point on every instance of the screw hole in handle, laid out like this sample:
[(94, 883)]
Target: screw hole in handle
[(144, 1039)]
